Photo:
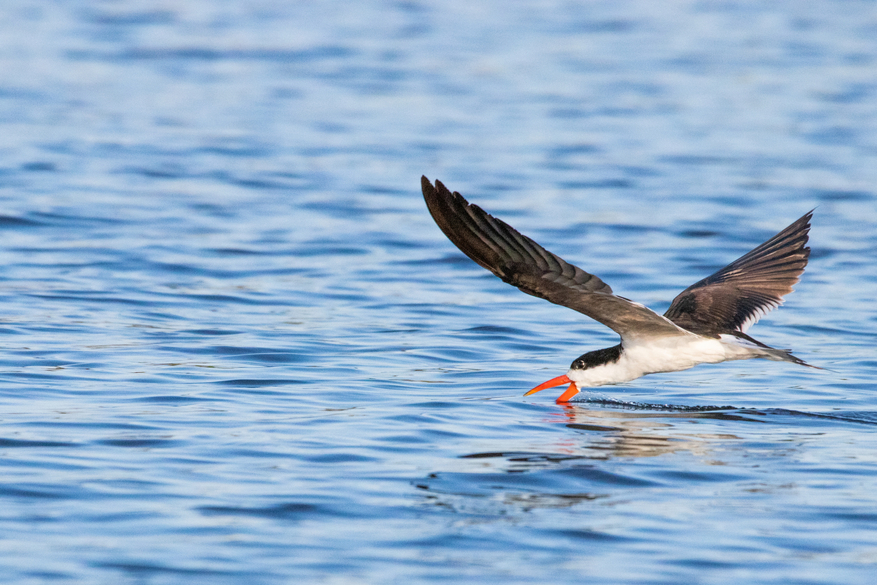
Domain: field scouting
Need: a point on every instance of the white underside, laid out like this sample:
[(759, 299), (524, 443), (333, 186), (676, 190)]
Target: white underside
[(668, 354)]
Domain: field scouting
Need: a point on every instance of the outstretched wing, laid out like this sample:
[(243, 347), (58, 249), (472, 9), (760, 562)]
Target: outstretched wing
[(735, 297), (523, 263)]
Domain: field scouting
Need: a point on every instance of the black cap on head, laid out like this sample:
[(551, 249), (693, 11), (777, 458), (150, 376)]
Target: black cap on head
[(600, 357)]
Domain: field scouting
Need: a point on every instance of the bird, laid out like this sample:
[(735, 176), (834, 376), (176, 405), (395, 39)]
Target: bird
[(706, 323)]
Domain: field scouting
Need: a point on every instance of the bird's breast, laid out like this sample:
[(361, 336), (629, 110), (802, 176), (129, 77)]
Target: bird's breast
[(652, 356)]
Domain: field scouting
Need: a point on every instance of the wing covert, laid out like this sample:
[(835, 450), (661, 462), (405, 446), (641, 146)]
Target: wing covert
[(521, 262), (735, 297)]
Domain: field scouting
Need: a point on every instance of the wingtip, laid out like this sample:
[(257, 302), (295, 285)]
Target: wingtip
[(428, 188), (806, 218)]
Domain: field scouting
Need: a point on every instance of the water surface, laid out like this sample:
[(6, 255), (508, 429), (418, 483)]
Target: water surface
[(237, 349)]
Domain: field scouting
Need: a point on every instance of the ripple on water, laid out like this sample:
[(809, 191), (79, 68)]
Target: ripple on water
[(238, 349)]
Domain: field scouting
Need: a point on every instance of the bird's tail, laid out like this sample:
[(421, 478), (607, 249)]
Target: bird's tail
[(770, 353), (785, 355)]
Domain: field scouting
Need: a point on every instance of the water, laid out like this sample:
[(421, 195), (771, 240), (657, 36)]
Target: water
[(237, 349)]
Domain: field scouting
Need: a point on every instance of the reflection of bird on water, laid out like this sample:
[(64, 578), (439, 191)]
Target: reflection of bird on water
[(570, 471)]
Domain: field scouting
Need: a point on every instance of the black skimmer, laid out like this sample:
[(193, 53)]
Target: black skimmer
[(705, 324)]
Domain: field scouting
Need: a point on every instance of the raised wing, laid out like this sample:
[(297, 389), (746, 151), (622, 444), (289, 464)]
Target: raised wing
[(735, 297), (523, 263)]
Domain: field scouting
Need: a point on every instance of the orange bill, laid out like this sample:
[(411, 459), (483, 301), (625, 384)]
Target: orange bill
[(550, 384), (570, 392)]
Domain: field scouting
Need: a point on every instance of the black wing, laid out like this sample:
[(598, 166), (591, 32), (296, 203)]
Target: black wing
[(521, 262), (735, 297)]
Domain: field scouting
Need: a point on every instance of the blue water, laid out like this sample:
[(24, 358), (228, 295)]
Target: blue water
[(236, 349)]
